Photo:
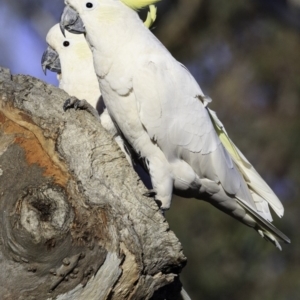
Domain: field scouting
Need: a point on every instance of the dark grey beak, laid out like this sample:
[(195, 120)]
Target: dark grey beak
[(50, 61), (71, 21)]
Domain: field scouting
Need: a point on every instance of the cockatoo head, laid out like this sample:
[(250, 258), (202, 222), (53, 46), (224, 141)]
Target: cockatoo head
[(68, 50), (77, 9), (71, 57)]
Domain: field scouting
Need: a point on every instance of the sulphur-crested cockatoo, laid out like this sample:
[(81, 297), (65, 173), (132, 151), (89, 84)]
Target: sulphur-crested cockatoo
[(162, 112), (71, 57)]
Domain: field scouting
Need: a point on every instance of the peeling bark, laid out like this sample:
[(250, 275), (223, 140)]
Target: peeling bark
[(73, 221)]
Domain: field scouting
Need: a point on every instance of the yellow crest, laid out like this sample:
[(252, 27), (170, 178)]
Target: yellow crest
[(138, 4), (151, 17)]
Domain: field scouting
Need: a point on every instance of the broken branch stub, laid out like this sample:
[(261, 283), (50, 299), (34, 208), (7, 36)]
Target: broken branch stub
[(73, 221)]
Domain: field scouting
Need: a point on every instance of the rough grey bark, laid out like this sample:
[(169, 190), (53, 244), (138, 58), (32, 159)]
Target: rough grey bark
[(73, 221)]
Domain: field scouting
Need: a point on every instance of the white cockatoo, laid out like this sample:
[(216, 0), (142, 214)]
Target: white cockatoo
[(71, 57), (162, 112)]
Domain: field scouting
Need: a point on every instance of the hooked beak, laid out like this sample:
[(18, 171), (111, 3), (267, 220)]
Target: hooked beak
[(71, 21), (50, 61)]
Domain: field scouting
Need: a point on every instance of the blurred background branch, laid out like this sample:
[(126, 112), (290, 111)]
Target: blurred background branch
[(245, 56)]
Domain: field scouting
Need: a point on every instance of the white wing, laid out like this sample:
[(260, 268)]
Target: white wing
[(168, 102), (170, 110), (261, 192)]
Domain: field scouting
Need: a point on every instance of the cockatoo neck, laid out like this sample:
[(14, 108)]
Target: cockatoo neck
[(79, 67), (78, 77)]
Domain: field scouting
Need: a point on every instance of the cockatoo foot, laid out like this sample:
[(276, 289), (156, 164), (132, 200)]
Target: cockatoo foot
[(153, 194), (75, 103), (163, 204)]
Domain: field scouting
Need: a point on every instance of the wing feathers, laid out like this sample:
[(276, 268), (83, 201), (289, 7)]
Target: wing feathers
[(255, 183)]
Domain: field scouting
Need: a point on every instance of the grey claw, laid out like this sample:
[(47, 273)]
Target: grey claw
[(77, 104), (162, 211), (67, 105), (158, 202), (150, 194)]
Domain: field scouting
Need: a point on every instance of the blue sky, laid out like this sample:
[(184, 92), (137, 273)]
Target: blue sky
[(22, 45)]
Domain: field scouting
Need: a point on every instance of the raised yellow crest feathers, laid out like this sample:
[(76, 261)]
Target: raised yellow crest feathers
[(151, 17), (138, 4)]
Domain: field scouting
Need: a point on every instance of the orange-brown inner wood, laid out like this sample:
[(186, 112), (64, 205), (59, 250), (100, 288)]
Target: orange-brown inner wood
[(34, 152)]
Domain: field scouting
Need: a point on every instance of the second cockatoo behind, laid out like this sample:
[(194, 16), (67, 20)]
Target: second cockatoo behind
[(161, 111)]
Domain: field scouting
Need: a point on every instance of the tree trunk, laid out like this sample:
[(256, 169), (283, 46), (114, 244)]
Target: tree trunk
[(74, 223)]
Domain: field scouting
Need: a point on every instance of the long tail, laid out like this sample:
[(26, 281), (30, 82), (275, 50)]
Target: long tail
[(266, 229)]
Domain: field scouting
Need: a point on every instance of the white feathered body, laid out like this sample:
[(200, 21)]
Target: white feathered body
[(157, 105)]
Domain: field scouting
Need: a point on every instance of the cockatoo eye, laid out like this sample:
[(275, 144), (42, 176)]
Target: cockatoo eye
[(90, 5), (66, 43)]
